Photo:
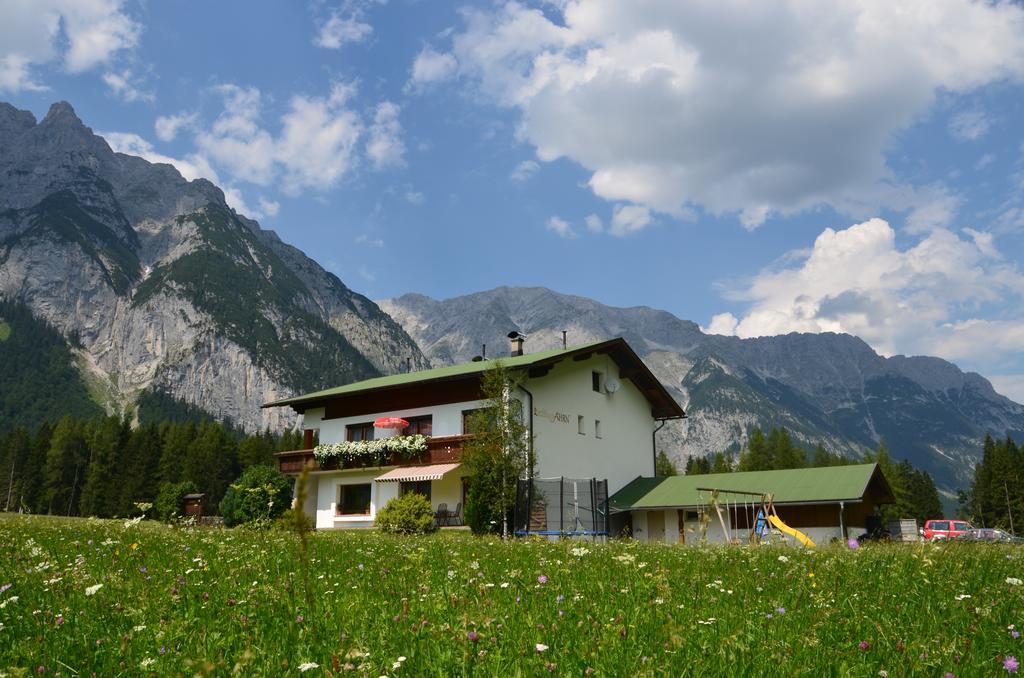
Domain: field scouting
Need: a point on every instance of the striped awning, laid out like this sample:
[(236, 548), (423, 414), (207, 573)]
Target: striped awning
[(412, 474)]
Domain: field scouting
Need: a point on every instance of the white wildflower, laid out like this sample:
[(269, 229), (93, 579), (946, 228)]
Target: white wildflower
[(1013, 581), (91, 591), (963, 596), (580, 551), (306, 666), (541, 647), (146, 663), (783, 559)]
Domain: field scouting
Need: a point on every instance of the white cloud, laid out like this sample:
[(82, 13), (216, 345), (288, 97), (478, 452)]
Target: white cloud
[(628, 219), (594, 223), (430, 66), (722, 323), (124, 85), (269, 207), (337, 31), (561, 227), (415, 197), (524, 170), (969, 125), (364, 239), (315, 148), (752, 108), (384, 145), (79, 34), (168, 126), (942, 295)]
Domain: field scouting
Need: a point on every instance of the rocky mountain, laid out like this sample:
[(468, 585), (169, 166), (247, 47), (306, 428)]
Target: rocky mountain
[(825, 388), (161, 287)]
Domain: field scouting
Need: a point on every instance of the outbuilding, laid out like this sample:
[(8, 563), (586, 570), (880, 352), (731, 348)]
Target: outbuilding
[(833, 502)]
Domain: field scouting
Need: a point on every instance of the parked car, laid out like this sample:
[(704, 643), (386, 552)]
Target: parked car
[(991, 534), (936, 530)]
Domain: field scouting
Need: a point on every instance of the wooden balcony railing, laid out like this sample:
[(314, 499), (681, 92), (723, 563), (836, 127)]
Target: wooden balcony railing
[(440, 450)]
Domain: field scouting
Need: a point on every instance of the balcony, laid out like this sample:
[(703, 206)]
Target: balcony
[(440, 450)]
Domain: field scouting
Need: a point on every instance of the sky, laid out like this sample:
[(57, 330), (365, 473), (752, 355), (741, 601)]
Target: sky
[(759, 167)]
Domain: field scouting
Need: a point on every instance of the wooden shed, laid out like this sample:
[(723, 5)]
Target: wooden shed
[(194, 505)]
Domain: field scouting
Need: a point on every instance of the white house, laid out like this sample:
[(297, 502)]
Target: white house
[(591, 411)]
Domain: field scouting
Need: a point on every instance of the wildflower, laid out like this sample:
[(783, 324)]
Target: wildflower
[(864, 645), (883, 673), (542, 579), (91, 591), (780, 610), (135, 546), (580, 551), (852, 543), (1013, 581), (306, 666), (472, 636), (1015, 634), (550, 666), (783, 559), (962, 596), (146, 663), (1011, 664), (299, 619), (810, 575), (949, 674), (59, 620), (5, 587), (541, 647), (162, 650)]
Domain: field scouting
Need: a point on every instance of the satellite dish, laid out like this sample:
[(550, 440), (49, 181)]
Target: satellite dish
[(612, 386)]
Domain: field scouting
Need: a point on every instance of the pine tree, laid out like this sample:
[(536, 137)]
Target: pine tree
[(175, 439), (210, 461), (757, 456), (663, 466), (65, 468), (105, 438)]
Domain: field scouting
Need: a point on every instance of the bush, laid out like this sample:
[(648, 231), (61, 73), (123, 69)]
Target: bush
[(170, 500), (407, 514), (261, 494), (295, 520)]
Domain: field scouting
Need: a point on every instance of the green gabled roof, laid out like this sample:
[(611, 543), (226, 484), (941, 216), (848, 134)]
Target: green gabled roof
[(828, 484), (663, 403)]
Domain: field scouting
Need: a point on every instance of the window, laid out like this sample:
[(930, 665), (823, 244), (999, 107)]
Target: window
[(580, 425), (961, 527), (419, 426), (597, 428), (467, 420), (359, 431), (597, 381), (354, 500), (419, 487)]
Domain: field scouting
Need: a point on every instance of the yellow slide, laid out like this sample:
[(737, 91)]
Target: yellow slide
[(796, 534)]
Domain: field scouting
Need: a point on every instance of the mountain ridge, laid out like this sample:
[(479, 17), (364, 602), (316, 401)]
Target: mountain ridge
[(827, 388), (166, 287)]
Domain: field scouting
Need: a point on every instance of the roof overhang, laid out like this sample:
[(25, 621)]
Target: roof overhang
[(415, 474), (663, 405)]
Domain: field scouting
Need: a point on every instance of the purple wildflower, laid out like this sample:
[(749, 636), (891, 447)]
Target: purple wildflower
[(5, 587), (864, 645), (542, 579), (472, 636), (852, 543), (162, 650), (1011, 664), (143, 569), (780, 610), (1015, 634), (949, 674)]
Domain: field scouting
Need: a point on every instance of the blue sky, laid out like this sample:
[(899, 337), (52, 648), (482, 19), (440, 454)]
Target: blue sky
[(758, 167)]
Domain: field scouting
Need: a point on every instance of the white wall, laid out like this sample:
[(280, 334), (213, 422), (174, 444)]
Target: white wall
[(327, 497), (623, 451)]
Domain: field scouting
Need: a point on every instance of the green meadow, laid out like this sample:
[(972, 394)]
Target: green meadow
[(108, 597)]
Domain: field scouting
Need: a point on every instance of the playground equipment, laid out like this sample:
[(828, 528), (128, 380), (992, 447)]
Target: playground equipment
[(766, 516), (566, 507)]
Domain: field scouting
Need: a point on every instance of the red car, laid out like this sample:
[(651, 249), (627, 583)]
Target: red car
[(935, 530)]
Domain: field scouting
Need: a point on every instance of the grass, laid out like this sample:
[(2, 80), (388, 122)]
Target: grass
[(176, 601), (5, 331)]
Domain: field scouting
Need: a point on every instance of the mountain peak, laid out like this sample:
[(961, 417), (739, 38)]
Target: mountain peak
[(62, 113)]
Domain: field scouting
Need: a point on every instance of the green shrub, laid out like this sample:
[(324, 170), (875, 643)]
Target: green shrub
[(170, 500), (261, 494), (407, 514), (295, 520)]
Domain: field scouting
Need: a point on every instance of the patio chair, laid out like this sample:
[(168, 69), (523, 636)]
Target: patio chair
[(455, 518), (441, 517)]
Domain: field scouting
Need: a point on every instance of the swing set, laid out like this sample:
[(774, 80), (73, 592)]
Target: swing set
[(759, 523)]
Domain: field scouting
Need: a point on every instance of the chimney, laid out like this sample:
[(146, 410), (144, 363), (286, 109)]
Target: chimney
[(516, 341)]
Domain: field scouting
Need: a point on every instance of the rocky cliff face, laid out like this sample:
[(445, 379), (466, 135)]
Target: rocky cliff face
[(826, 388), (163, 286)]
